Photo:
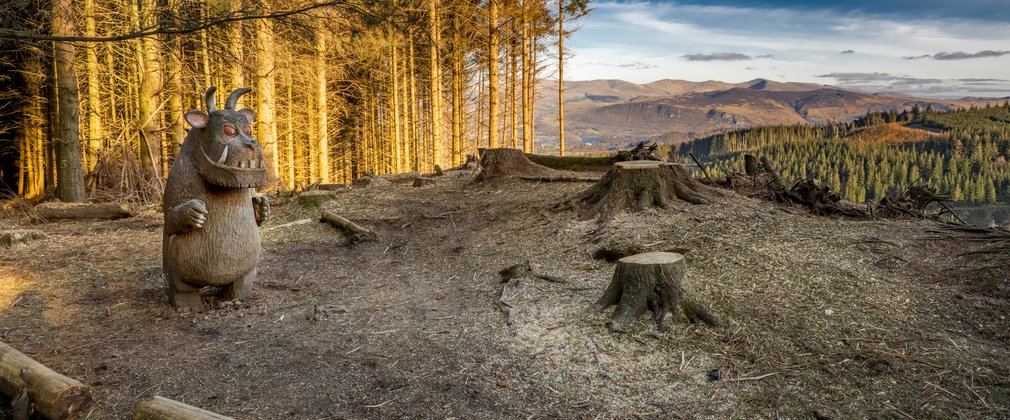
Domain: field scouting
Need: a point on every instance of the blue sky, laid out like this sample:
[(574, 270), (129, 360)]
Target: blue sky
[(926, 47)]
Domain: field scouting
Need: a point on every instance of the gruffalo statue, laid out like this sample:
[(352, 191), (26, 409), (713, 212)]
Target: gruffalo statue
[(212, 213)]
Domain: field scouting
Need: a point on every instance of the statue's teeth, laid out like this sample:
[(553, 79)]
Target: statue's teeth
[(263, 165), (224, 155), (243, 164)]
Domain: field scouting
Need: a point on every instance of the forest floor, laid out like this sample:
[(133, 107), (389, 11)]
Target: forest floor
[(821, 317)]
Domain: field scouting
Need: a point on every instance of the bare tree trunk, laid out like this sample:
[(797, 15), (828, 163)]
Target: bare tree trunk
[(394, 106), (457, 93), (415, 127), (290, 137), (561, 78), (150, 93), (237, 60), (266, 96), (95, 135), (322, 135), (176, 129), (436, 85), (513, 102), (493, 91), (527, 95), (69, 162)]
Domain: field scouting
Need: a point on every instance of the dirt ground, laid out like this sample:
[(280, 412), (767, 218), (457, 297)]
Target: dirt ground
[(822, 317)]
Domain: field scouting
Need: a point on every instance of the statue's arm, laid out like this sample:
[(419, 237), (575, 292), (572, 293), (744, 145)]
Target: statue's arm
[(261, 207), (186, 216)]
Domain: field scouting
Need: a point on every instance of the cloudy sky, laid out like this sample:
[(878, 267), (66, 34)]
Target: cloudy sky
[(924, 47)]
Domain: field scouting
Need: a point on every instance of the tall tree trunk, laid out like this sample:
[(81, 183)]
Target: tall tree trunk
[(436, 85), (176, 129), (493, 91), (290, 136), (322, 134), (561, 78), (457, 93), (237, 60), (394, 107), (513, 103), (69, 162), (150, 93), (95, 135), (415, 127), (267, 125), (527, 67)]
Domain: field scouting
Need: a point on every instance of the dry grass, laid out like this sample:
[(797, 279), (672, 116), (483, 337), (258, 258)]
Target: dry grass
[(845, 318)]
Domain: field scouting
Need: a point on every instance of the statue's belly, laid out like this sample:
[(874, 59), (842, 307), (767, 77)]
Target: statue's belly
[(225, 250)]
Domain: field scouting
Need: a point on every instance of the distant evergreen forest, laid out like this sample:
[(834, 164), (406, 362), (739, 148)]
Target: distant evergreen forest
[(963, 153)]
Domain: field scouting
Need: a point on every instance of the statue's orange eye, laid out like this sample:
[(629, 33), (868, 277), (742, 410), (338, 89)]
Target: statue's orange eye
[(229, 130), (247, 131)]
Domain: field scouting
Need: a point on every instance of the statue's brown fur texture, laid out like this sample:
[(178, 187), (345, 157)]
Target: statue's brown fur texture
[(212, 212)]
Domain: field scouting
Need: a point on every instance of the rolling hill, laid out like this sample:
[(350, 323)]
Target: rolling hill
[(683, 110)]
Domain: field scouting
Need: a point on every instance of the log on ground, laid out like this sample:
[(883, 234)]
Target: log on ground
[(507, 163), (83, 211), (160, 408), (638, 185), (650, 282), (358, 233), (51, 394)]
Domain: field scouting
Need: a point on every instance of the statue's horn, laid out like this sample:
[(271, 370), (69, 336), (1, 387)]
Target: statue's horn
[(210, 99), (233, 98)]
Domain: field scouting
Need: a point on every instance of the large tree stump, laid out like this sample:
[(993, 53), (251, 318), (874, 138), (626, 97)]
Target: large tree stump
[(53, 395), (643, 184), (650, 281)]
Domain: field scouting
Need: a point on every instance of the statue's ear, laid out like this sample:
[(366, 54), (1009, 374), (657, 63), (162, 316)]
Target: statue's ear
[(249, 114), (196, 118)]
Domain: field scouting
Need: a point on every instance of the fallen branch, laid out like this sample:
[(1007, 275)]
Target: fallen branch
[(51, 394), (358, 233), (83, 211), (160, 408)]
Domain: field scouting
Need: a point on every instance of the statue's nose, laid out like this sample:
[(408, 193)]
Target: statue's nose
[(250, 143)]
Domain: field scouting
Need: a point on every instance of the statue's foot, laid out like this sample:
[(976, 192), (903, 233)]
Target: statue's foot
[(187, 301), (240, 288)]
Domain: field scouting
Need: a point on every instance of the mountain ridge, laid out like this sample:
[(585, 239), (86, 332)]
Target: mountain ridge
[(682, 109)]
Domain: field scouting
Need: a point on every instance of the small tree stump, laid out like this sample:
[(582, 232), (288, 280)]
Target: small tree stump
[(643, 184), (315, 198), (650, 281), (14, 237)]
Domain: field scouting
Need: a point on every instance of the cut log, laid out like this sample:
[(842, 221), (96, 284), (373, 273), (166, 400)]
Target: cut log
[(105, 211), (53, 395), (14, 237), (370, 180), (358, 233), (573, 163), (160, 408), (653, 282), (642, 184)]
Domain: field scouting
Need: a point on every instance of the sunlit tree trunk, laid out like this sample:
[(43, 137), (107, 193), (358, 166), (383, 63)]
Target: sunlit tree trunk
[(322, 135), (266, 124), (394, 107), (417, 140), (493, 91), (69, 160), (176, 129), (527, 71), (234, 46), (96, 136), (561, 78), (149, 64), (290, 136), (436, 84)]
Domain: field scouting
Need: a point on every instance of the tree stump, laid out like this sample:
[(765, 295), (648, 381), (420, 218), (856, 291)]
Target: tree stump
[(650, 281), (643, 184)]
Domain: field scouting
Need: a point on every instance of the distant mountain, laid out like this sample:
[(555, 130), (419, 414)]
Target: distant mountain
[(616, 108)]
